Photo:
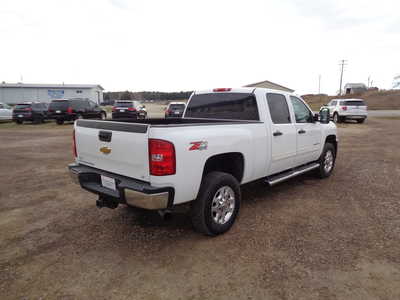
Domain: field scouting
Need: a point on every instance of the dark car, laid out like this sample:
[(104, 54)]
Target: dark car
[(175, 110), (128, 109), (72, 109), (35, 112)]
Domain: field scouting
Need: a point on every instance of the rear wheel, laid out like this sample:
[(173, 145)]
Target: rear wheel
[(360, 121), (217, 204), (19, 122), (336, 118), (60, 122), (326, 161)]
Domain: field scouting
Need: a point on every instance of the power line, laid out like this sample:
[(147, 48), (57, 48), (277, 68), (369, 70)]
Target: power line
[(343, 63)]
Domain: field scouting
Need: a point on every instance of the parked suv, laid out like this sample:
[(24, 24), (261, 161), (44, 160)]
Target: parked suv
[(35, 112), (72, 109), (175, 110), (128, 109), (5, 112), (348, 109)]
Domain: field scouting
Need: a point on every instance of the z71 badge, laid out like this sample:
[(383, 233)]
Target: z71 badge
[(202, 145)]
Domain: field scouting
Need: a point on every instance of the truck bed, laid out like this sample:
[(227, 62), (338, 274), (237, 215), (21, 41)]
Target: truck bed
[(128, 124)]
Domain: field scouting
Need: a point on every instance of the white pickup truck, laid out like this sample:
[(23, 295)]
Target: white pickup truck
[(226, 138)]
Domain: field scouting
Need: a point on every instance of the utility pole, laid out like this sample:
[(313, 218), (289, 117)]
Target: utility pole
[(369, 79), (343, 63), (319, 84)]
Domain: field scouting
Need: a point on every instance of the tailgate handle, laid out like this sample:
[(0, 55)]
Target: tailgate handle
[(105, 136)]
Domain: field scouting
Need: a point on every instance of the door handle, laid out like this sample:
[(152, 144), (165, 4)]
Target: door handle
[(277, 133), (301, 131)]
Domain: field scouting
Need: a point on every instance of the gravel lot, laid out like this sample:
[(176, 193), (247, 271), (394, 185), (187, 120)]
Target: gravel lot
[(337, 238)]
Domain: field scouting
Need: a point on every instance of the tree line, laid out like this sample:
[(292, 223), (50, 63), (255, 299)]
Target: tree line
[(146, 95)]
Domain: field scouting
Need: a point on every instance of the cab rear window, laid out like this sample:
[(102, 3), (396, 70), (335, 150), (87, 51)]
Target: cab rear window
[(233, 106)]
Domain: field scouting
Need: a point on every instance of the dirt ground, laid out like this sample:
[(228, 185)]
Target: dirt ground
[(307, 238)]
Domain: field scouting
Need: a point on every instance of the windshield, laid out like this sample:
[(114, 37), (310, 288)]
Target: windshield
[(123, 104), (354, 103), (59, 105), (234, 106)]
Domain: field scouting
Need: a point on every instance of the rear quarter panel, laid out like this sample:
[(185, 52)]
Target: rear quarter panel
[(247, 139)]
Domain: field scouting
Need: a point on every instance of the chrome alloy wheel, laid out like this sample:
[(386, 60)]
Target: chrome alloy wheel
[(223, 205), (328, 161)]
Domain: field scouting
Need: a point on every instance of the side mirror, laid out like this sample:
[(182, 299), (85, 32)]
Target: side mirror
[(324, 116), (315, 118)]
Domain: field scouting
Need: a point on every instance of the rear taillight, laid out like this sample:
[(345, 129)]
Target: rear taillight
[(113, 108), (132, 109), (28, 109), (344, 107), (161, 157), (74, 144), (167, 111), (70, 110)]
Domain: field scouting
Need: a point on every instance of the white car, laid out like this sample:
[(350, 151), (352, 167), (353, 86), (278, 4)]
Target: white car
[(5, 112), (347, 109), (227, 137)]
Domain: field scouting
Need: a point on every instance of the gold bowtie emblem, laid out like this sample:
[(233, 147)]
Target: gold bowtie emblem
[(105, 150)]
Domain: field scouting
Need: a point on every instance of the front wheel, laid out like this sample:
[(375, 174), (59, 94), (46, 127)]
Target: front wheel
[(60, 122), (336, 118), (217, 204), (326, 161)]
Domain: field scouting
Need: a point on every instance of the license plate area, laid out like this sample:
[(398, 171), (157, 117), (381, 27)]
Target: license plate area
[(108, 182)]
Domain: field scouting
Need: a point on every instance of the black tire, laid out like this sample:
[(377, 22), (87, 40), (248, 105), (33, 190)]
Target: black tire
[(336, 118), (322, 171), (202, 214), (360, 121), (60, 122), (19, 122)]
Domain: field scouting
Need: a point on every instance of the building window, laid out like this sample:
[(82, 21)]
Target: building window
[(79, 91)]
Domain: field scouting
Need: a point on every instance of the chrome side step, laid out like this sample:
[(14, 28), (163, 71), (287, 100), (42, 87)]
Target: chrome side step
[(274, 179)]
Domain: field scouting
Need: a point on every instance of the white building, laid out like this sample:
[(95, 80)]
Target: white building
[(12, 93), (396, 82)]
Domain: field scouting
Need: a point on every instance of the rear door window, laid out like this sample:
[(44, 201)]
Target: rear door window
[(123, 104), (227, 106), (22, 106), (278, 108), (180, 107), (354, 103)]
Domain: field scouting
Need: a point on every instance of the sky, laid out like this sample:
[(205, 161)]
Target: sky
[(179, 45)]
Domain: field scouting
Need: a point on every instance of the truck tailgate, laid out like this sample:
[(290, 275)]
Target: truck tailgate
[(120, 148)]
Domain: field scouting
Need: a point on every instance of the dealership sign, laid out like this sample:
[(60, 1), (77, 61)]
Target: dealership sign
[(55, 94)]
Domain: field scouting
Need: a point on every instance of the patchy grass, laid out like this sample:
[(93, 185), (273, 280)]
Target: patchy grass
[(389, 118), (31, 126)]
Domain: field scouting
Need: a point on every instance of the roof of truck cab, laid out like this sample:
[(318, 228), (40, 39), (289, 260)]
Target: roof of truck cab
[(242, 90)]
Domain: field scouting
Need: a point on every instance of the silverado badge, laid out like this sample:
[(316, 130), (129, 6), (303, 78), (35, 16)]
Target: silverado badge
[(105, 150)]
